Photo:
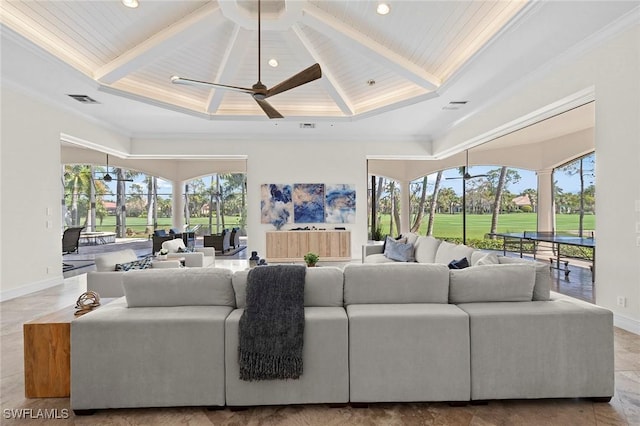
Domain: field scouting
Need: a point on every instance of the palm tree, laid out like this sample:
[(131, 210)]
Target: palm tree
[(498, 201), (420, 214), (152, 197), (78, 181), (434, 203)]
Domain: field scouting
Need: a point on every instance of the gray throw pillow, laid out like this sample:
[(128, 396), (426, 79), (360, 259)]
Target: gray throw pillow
[(401, 252)]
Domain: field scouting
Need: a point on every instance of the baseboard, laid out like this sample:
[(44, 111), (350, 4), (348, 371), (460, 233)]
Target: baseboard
[(631, 325), (30, 288)]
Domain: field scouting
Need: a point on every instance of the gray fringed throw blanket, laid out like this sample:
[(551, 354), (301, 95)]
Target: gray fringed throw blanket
[(272, 324)]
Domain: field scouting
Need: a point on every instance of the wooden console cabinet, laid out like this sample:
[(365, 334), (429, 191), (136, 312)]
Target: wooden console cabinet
[(47, 354), (291, 246)]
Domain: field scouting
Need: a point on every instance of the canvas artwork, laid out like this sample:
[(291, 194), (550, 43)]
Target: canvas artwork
[(340, 203), (308, 202), (276, 205)]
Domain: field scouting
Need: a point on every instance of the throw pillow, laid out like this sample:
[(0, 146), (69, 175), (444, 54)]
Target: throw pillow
[(459, 264), (488, 259), (401, 252), (186, 249), (136, 264)]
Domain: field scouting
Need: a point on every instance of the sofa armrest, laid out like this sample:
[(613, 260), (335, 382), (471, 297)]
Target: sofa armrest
[(369, 249), (106, 284), (207, 251), (165, 264), (191, 260)]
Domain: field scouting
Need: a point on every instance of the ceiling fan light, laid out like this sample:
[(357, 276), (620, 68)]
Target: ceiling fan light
[(383, 9), (131, 3)]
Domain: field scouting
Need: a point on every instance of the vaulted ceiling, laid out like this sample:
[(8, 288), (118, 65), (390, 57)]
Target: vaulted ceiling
[(415, 66), (369, 61)]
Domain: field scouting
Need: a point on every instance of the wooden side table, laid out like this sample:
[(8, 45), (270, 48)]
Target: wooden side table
[(47, 354)]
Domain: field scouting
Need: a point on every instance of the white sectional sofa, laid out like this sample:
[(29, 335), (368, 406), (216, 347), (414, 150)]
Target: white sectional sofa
[(107, 282), (373, 333)]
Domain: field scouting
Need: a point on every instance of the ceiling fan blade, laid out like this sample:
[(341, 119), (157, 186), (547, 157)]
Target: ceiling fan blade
[(477, 176), (268, 109), (453, 178), (303, 77), (189, 82)]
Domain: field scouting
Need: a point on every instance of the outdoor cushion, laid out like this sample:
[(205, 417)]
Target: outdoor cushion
[(174, 245), (492, 283), (179, 287)]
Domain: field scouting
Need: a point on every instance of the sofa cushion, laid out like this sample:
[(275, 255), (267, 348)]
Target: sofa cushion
[(144, 263), (377, 258), (426, 248), (401, 252), (323, 286), (179, 287), (448, 252), (542, 287), (174, 245), (396, 283), (492, 283), (484, 259), (107, 261)]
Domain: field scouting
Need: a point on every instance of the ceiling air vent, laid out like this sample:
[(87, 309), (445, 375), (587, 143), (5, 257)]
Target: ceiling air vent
[(453, 105), (307, 125), (84, 99)]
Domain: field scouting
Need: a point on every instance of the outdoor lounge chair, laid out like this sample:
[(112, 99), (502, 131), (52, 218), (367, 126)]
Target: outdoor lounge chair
[(70, 238)]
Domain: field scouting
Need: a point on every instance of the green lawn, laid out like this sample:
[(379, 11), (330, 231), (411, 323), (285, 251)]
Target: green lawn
[(139, 224), (447, 225)]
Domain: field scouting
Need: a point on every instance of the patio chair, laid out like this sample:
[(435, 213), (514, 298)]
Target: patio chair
[(221, 242), (70, 239)]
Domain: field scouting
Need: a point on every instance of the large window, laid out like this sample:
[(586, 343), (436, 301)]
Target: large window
[(134, 204), (574, 195)]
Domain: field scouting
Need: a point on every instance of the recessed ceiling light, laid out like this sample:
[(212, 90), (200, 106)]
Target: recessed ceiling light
[(131, 3), (273, 62), (383, 9), (371, 82)]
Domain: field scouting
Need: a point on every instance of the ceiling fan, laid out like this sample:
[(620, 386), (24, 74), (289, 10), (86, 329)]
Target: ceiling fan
[(259, 91), (466, 175), (107, 177)]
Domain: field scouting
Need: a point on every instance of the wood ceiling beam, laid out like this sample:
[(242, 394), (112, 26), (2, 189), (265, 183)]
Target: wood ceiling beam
[(304, 50), (229, 65), (173, 37), (346, 36)]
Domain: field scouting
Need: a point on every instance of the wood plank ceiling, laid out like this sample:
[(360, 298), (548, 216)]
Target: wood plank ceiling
[(409, 53)]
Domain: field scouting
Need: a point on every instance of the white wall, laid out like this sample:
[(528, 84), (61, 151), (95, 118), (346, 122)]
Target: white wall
[(611, 71), (31, 243)]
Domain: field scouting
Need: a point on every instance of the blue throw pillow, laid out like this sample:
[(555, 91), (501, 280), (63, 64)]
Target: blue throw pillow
[(401, 252)]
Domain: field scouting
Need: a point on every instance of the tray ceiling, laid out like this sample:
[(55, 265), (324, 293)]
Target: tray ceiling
[(409, 53)]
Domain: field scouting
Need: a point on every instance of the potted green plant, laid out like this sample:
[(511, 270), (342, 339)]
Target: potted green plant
[(311, 259)]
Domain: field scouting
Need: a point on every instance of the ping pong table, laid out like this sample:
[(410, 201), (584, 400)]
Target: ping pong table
[(556, 240)]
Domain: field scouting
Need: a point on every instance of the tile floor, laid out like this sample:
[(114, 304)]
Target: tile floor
[(624, 408)]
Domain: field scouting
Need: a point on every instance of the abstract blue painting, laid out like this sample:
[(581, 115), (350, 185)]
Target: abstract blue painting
[(308, 202), (340, 203), (276, 206)]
